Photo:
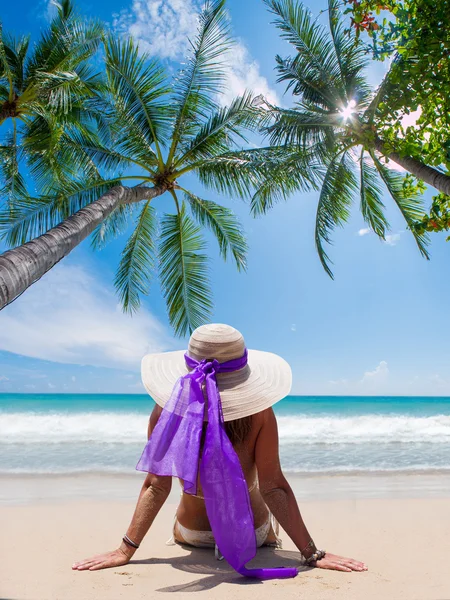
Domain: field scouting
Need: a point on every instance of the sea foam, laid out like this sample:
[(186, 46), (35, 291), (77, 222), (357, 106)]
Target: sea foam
[(131, 428)]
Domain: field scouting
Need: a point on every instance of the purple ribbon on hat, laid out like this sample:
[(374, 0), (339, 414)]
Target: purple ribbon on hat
[(173, 449)]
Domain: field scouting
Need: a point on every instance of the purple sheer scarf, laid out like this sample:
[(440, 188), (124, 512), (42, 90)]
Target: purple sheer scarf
[(174, 450)]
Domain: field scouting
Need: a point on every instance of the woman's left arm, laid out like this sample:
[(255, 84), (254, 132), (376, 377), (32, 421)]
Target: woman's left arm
[(154, 493)]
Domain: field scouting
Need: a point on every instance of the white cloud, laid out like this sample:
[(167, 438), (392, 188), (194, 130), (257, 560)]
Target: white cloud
[(70, 317), (371, 382), (392, 239), (243, 74), (378, 375), (293, 327), (137, 386), (4, 378), (378, 381), (73, 378), (338, 381), (163, 28), (364, 231), (51, 386), (49, 10)]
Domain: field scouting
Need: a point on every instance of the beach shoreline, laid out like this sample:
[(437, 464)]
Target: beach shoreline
[(31, 489), (394, 536)]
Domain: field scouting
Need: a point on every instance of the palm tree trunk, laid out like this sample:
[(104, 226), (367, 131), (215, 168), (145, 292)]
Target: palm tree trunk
[(429, 175), (24, 265)]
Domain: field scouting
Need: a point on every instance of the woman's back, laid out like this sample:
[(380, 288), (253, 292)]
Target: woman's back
[(192, 512)]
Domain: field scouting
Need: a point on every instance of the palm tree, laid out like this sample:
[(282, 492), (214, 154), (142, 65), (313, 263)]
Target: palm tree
[(159, 133), (333, 121), (42, 89)]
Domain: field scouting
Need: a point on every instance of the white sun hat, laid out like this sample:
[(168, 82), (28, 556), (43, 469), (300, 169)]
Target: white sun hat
[(266, 379)]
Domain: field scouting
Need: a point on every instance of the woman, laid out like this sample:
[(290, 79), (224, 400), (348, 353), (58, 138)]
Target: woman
[(214, 428)]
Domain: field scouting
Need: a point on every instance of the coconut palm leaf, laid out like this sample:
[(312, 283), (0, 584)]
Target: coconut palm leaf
[(409, 204), (27, 218), (232, 173), (351, 57), (59, 152), (31, 217), (62, 89), (105, 158), (224, 127), (140, 88), (372, 207), (137, 261), (204, 75), (6, 74), (14, 55), (68, 42), (333, 209), (314, 71), (112, 227), (291, 170), (224, 225), (183, 272), (14, 185), (304, 126)]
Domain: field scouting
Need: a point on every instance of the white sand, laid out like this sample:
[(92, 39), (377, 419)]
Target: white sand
[(405, 542)]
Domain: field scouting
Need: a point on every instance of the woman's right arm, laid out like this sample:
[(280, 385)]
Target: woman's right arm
[(154, 493), (280, 499)]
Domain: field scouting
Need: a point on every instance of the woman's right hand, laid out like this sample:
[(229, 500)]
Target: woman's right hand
[(339, 563), (116, 558)]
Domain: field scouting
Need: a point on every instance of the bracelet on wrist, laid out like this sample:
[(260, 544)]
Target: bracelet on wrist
[(310, 548), (130, 542), (318, 555)]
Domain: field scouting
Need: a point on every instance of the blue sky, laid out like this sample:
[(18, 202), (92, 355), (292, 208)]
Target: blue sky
[(378, 328)]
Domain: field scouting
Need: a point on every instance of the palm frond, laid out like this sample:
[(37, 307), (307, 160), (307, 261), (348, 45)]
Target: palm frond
[(183, 273), (67, 43), (112, 227), (204, 75), (12, 60), (5, 68), (372, 206), (139, 88), (409, 204), (335, 199), (233, 173), (314, 72), (12, 182), (304, 126), (58, 151), (351, 57), (222, 130), (28, 218), (311, 89), (107, 159), (224, 225), (288, 170), (63, 89), (137, 261), (269, 170)]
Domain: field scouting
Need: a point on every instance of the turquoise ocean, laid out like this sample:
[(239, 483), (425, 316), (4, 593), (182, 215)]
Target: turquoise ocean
[(95, 433)]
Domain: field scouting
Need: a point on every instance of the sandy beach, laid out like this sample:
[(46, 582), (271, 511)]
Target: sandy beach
[(405, 541)]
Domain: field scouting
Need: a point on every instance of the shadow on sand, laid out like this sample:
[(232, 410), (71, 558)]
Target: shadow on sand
[(203, 562)]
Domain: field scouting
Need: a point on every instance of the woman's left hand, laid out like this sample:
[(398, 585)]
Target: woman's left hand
[(339, 563), (116, 558)]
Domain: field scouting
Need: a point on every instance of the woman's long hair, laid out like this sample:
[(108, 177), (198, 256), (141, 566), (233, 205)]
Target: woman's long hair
[(238, 430)]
